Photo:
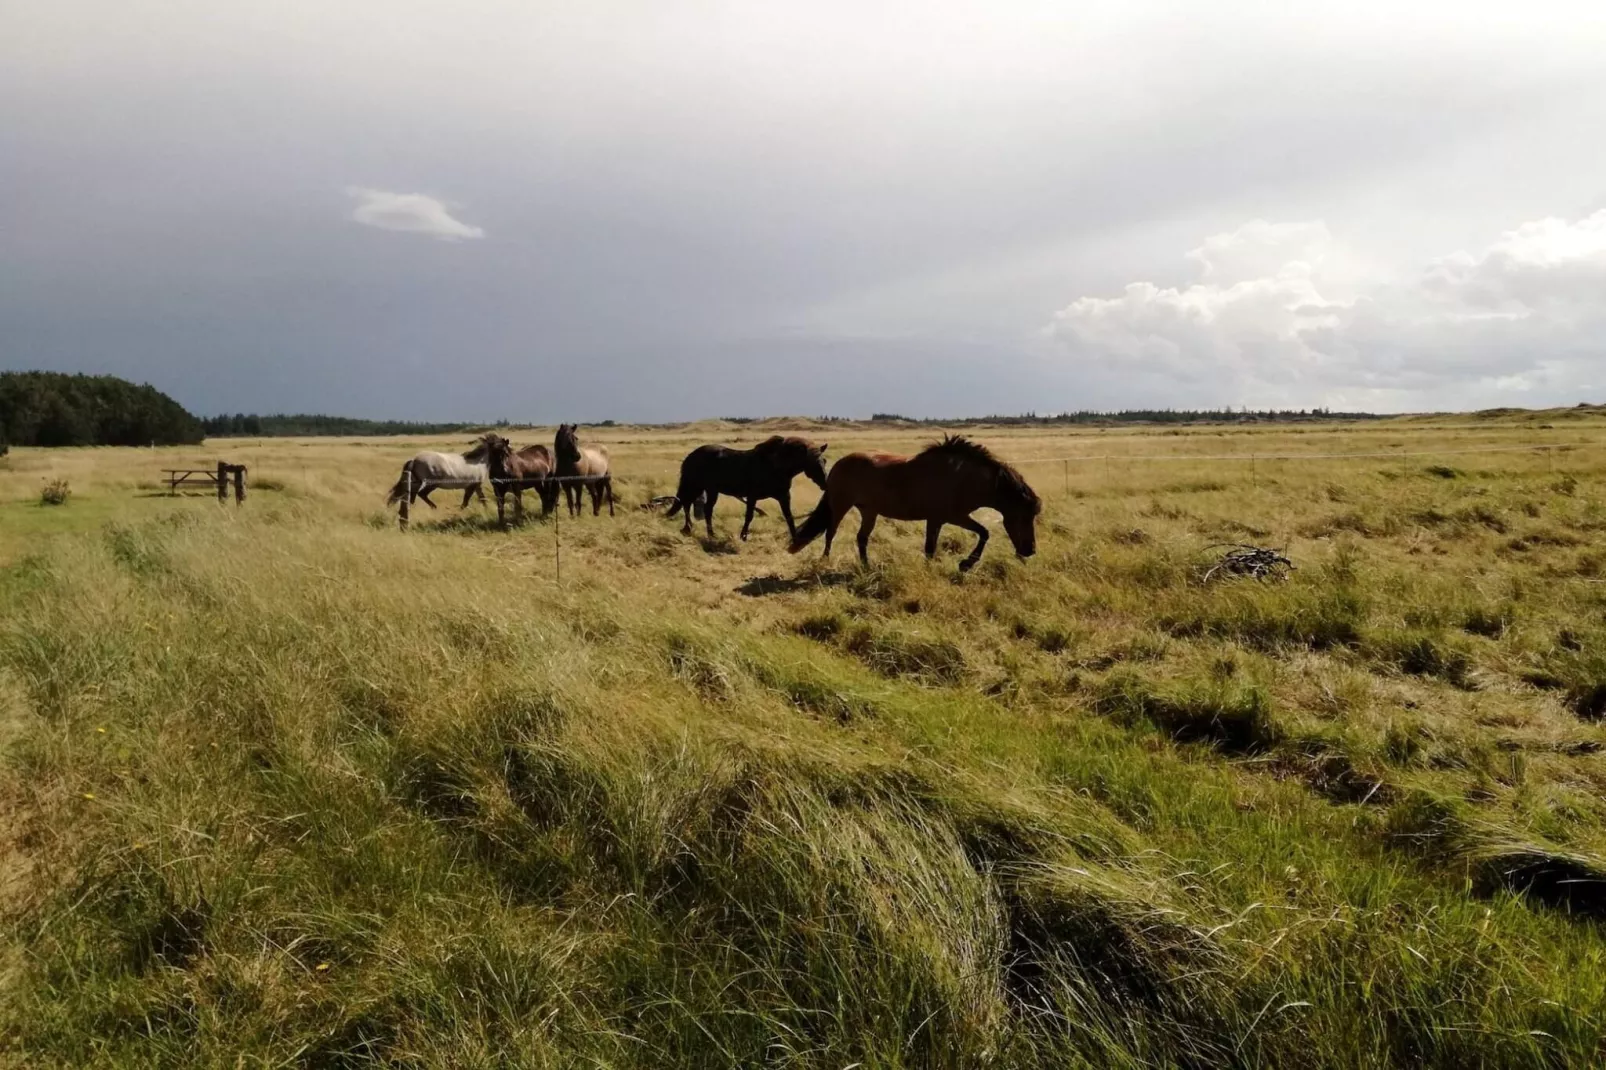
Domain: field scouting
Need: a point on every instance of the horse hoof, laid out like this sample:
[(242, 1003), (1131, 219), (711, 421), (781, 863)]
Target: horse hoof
[(966, 565)]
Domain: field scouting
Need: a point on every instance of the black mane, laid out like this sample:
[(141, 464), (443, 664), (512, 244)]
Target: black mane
[(963, 449)]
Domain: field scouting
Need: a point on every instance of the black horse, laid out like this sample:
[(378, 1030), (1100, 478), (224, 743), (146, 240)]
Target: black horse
[(765, 471)]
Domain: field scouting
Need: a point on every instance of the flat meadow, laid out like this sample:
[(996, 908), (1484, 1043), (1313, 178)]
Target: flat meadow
[(285, 786)]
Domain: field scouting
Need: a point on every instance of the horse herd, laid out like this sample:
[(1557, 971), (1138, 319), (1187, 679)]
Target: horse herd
[(942, 484)]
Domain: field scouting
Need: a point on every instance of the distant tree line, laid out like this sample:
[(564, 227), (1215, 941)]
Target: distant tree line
[(241, 425), (312, 425), (1142, 416), (56, 409)]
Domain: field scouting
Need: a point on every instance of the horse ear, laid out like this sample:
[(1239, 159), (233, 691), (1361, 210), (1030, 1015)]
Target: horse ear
[(820, 449)]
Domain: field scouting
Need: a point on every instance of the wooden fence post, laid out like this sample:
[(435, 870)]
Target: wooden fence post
[(239, 484), (401, 514), (222, 481)]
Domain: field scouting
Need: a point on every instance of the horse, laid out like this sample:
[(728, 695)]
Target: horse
[(430, 471), (517, 471), (942, 484), (582, 466), (765, 471)]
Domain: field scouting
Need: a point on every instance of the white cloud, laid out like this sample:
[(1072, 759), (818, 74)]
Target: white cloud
[(411, 213), (1276, 318)]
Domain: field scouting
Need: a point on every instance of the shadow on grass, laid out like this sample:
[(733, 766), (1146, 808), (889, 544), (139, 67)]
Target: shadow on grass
[(722, 544), (760, 586), (477, 524)]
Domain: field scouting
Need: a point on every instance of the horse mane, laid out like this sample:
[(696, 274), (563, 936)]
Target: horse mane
[(1010, 481), (776, 442)]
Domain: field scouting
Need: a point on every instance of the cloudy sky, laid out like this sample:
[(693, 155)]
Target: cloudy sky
[(663, 210)]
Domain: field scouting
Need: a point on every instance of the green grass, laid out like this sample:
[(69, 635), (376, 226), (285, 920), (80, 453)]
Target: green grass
[(283, 786)]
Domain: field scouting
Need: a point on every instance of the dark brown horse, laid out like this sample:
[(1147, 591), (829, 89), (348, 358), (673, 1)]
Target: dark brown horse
[(765, 471), (942, 484), (516, 471), (582, 467)]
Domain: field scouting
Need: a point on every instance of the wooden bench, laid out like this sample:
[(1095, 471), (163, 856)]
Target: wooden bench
[(219, 479)]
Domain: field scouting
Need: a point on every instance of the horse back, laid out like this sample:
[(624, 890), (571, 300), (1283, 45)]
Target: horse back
[(895, 486), (439, 466), (738, 472)]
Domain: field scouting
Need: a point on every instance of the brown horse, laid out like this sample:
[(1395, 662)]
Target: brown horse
[(582, 466), (517, 471), (942, 484)]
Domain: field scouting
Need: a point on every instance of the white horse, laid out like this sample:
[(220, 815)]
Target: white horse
[(430, 471)]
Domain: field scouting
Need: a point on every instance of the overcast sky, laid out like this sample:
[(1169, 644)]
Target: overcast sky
[(662, 210)]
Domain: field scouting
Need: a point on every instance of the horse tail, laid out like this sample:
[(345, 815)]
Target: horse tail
[(399, 491), (683, 494), (816, 525)]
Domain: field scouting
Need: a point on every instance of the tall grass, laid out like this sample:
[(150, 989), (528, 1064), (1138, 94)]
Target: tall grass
[(283, 788)]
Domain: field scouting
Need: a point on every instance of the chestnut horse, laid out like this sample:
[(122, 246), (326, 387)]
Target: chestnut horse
[(582, 466), (518, 471), (765, 471), (942, 484)]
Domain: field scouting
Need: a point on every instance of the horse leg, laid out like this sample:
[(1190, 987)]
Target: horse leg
[(501, 507), (689, 505), (596, 498), (785, 498), (423, 492), (607, 485), (933, 529), (709, 499), (518, 505), (468, 495), (970, 524), (867, 521), (752, 504)]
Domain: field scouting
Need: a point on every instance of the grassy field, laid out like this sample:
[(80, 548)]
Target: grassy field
[(283, 786)]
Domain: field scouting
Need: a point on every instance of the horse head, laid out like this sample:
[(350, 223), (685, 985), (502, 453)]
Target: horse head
[(1019, 505), (814, 463), (490, 448), (479, 450), (567, 444)]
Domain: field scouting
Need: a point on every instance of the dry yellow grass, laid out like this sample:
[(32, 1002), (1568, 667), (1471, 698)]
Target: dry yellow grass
[(284, 785)]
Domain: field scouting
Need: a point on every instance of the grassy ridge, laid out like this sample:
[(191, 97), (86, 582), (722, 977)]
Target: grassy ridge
[(284, 785)]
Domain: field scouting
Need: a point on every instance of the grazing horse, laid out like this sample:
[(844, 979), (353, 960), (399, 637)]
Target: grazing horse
[(582, 466), (765, 471), (430, 471), (942, 484), (518, 471)]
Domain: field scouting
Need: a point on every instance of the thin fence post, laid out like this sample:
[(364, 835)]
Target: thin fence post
[(1067, 476), (1254, 479), (222, 482), (239, 484), (401, 514), (1550, 458), (557, 546)]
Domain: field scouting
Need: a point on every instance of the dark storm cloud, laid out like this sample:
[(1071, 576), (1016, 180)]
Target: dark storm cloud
[(671, 211)]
